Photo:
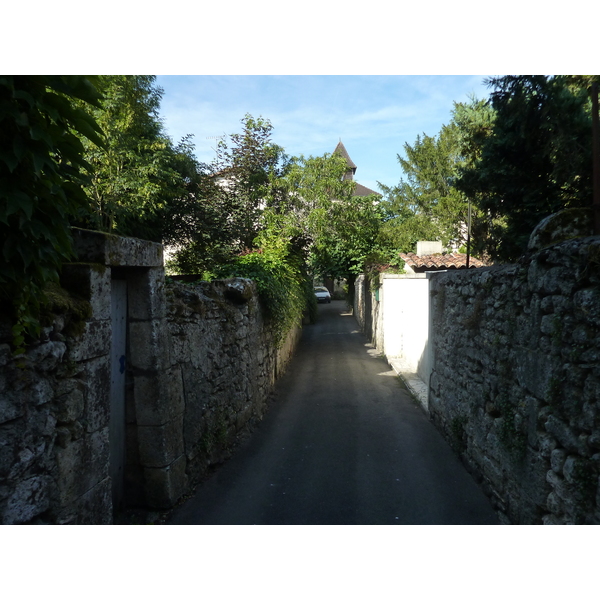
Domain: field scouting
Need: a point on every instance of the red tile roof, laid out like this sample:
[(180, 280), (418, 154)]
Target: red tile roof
[(440, 261)]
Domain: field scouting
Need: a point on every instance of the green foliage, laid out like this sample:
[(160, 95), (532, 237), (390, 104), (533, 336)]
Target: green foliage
[(342, 231), (301, 210), (41, 173), (349, 238), (427, 205), (250, 166), (537, 159), (223, 213), (139, 177), (280, 281)]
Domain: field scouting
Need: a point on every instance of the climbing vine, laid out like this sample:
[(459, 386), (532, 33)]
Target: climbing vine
[(282, 284), (41, 177)]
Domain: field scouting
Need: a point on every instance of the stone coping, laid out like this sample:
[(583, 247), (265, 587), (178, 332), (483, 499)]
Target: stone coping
[(116, 251)]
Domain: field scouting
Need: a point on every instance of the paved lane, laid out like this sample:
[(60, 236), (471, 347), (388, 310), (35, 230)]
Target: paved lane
[(343, 444)]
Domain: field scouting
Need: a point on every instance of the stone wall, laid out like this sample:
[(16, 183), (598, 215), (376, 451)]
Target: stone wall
[(226, 363), (54, 415), (510, 374), (198, 369), (515, 385), (367, 310)]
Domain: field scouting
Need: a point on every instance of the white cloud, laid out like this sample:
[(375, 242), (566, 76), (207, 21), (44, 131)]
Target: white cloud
[(374, 116)]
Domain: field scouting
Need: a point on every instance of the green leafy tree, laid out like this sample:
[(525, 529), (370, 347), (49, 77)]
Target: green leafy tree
[(42, 169), (223, 214), (426, 205), (475, 123), (139, 174), (280, 276), (339, 232), (313, 186), (250, 167), (351, 240), (299, 211), (537, 159)]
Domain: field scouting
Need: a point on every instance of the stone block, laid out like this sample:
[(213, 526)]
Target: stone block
[(557, 483), (92, 283), (164, 486), (46, 356), (591, 389), (570, 466), (533, 478), (557, 460), (532, 410), (40, 392), (149, 345), (81, 465), (92, 508), (159, 397), (146, 294), (12, 405), (23, 389), (586, 303), (552, 520), (534, 371), (594, 440), (95, 341), (132, 252), (11, 442), (554, 504), (96, 377), (160, 445), (113, 250), (70, 405), (558, 280), (492, 470), (66, 386), (95, 506), (197, 398), (29, 498), (550, 324), (564, 435)]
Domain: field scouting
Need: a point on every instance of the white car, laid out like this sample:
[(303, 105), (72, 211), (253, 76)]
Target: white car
[(322, 294)]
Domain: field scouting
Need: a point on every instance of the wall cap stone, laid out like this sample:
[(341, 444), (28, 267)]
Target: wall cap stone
[(116, 251)]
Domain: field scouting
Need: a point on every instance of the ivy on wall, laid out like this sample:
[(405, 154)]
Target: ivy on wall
[(41, 177)]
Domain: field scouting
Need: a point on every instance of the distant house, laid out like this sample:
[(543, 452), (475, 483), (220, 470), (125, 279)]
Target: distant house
[(429, 257), (360, 190)]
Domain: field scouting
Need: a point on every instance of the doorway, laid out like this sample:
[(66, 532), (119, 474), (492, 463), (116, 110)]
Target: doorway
[(118, 364)]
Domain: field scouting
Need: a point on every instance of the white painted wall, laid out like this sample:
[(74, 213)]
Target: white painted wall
[(405, 320)]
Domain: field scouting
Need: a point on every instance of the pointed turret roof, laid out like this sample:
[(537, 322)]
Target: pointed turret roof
[(360, 190), (341, 150)]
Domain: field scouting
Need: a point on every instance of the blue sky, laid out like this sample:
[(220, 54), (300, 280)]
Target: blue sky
[(373, 115)]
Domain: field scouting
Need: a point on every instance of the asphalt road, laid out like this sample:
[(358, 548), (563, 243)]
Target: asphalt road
[(344, 443)]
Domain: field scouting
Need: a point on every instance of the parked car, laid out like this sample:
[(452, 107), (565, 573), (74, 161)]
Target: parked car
[(322, 294)]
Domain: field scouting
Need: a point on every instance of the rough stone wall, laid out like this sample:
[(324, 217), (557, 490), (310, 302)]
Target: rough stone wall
[(54, 416), (367, 311), (361, 313), (515, 385), (201, 364), (228, 361)]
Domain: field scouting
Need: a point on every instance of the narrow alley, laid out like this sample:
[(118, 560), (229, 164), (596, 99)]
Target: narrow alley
[(344, 443)]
